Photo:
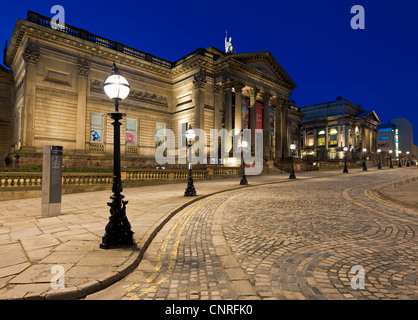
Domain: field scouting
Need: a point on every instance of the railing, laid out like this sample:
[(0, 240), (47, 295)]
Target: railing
[(85, 35)]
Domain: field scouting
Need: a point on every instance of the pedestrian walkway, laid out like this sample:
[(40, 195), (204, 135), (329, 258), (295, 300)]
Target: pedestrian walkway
[(404, 193), (59, 257)]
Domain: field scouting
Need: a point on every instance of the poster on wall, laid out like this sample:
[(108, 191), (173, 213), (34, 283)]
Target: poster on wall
[(245, 112), (131, 132), (159, 139), (259, 115)]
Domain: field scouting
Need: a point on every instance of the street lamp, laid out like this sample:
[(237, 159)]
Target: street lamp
[(190, 189), (364, 159), (399, 156), (379, 166), (118, 230), (243, 145), (345, 160), (407, 158), (292, 153), (390, 155)]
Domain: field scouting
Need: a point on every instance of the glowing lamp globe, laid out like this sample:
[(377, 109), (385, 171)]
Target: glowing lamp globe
[(116, 86), (190, 134)]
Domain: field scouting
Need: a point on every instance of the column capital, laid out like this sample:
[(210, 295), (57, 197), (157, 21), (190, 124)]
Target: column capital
[(217, 88), (266, 95), (228, 84), (199, 81), (253, 92), (238, 86), (31, 54), (83, 68)]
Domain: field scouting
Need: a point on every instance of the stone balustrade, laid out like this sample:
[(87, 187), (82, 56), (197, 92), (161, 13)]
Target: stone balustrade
[(14, 185)]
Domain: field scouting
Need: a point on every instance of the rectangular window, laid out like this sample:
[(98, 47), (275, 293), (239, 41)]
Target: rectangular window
[(321, 142), (131, 132), (333, 140), (159, 134), (96, 127)]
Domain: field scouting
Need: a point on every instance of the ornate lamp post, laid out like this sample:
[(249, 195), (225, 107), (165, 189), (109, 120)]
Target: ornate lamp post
[(364, 159), (390, 156), (407, 158), (379, 165), (292, 153), (190, 189), (399, 156), (345, 160), (118, 230), (243, 145)]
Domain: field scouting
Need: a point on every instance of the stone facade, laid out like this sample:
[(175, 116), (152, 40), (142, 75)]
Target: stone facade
[(58, 96), (329, 127), (6, 82)]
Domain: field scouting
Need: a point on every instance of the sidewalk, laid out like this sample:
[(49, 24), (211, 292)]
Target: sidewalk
[(31, 247), (404, 193)]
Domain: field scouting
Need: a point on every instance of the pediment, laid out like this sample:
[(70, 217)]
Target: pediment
[(265, 63), (372, 116)]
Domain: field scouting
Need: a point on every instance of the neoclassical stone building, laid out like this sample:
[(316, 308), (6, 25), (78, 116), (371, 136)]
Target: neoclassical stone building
[(330, 126), (57, 96)]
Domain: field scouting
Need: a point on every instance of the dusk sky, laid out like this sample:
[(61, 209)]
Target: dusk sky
[(312, 40)]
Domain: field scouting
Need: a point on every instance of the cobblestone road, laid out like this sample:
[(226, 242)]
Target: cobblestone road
[(294, 240)]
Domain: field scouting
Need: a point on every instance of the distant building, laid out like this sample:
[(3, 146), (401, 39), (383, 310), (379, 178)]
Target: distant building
[(329, 127), (397, 135)]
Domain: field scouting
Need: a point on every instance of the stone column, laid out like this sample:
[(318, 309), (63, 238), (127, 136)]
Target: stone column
[(228, 84), (199, 85), (31, 57), (253, 112), (83, 71), (278, 129), (238, 107), (266, 124), (285, 129), (218, 102)]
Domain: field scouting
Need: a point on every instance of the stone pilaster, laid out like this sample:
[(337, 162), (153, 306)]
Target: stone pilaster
[(199, 85), (83, 70), (31, 57)]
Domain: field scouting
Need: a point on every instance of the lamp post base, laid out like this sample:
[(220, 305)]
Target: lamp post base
[(243, 181), (118, 230), (190, 189), (345, 170), (292, 175)]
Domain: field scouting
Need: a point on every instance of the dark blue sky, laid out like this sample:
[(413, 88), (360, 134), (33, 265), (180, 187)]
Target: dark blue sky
[(312, 40)]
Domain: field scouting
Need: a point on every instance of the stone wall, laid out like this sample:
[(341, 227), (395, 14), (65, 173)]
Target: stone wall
[(5, 112)]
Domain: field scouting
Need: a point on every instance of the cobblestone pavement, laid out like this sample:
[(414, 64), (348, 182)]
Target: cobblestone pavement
[(303, 239)]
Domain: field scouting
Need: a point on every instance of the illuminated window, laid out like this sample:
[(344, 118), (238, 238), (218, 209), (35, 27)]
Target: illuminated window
[(96, 128), (321, 142), (131, 132), (333, 137)]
